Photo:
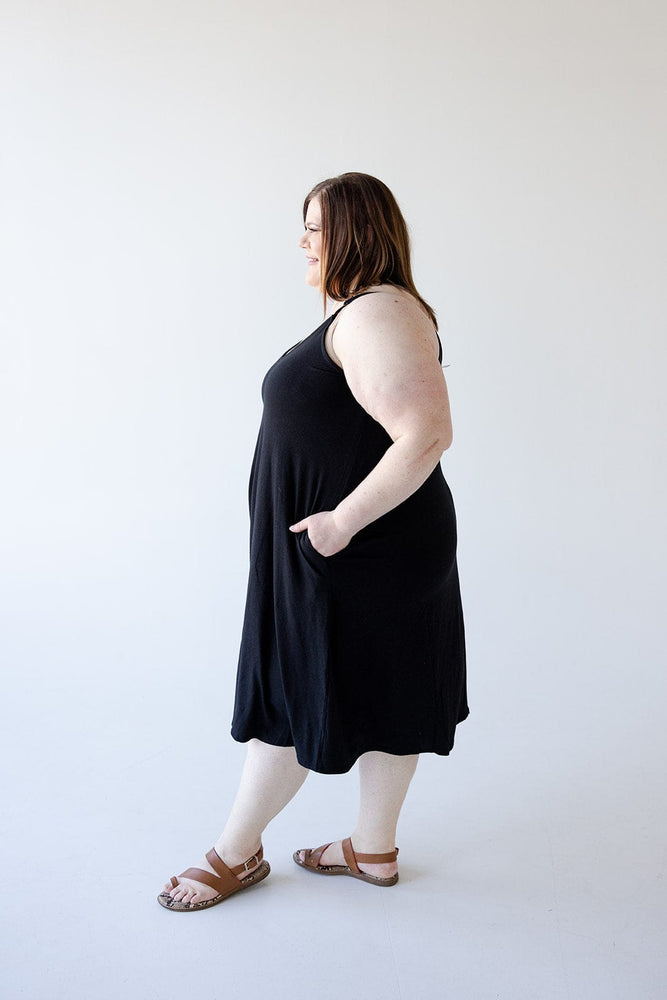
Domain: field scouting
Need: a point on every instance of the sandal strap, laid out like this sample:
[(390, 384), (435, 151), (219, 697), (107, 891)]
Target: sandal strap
[(225, 881), (312, 859), (351, 858), (214, 881), (218, 865)]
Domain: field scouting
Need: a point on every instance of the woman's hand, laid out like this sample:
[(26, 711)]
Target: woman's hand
[(324, 533)]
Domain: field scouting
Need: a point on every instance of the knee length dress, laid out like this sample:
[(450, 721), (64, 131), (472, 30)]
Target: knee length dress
[(363, 650)]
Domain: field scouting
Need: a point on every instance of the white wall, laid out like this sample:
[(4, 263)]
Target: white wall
[(155, 161), (155, 158)]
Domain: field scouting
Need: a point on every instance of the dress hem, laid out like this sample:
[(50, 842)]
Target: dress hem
[(342, 769)]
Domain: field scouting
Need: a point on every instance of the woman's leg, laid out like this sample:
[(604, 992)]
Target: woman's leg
[(383, 784), (271, 778)]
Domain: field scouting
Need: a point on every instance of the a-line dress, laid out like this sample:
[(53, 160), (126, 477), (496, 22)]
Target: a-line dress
[(363, 650)]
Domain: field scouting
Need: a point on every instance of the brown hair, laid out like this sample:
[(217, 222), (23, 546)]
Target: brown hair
[(365, 238)]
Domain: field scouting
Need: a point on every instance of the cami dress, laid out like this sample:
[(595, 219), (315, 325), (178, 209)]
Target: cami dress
[(363, 650)]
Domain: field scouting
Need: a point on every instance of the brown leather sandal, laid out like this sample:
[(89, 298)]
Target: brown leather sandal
[(225, 882), (312, 857)]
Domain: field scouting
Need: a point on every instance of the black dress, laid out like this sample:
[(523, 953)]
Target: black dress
[(365, 649)]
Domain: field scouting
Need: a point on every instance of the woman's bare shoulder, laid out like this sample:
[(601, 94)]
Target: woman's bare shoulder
[(386, 303), (388, 313)]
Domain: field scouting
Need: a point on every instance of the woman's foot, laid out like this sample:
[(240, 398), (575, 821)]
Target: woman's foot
[(334, 856), (190, 891)]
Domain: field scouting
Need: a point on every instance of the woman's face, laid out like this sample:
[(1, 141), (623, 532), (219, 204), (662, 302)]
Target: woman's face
[(311, 242)]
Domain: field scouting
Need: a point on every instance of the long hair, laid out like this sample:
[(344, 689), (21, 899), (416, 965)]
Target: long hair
[(365, 238)]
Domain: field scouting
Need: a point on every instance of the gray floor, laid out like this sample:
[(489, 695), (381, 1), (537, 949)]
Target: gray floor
[(532, 866)]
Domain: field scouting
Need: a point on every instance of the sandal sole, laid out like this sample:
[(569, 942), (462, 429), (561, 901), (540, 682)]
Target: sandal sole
[(344, 870)]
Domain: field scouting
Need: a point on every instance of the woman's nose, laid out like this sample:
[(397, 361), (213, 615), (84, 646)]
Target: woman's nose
[(303, 240)]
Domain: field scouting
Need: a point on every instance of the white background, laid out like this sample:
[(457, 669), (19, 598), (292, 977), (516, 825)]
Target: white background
[(154, 161)]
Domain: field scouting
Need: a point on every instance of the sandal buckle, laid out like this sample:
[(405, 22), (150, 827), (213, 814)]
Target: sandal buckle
[(249, 861)]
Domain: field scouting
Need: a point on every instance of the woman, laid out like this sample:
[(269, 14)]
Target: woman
[(353, 639)]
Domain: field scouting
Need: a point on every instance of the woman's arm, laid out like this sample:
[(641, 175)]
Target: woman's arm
[(388, 350)]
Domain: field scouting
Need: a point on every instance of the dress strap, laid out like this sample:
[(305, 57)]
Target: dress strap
[(356, 297), (346, 303)]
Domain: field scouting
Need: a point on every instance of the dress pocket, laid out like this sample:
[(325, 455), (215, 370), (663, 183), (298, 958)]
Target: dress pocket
[(307, 547)]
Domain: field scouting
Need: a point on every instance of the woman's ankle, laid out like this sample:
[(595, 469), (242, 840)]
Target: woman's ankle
[(372, 843), (237, 853)]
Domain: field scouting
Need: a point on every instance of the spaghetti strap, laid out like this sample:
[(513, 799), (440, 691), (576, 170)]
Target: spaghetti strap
[(347, 302), (353, 297)]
